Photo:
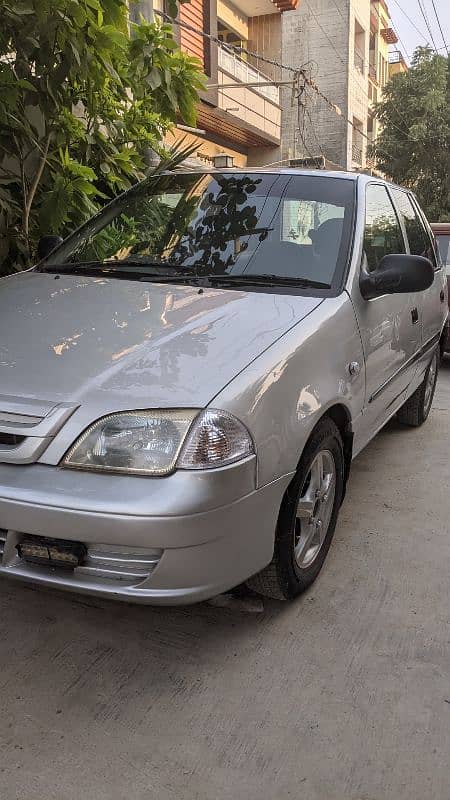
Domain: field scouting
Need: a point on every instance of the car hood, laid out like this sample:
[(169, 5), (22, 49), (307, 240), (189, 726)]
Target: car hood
[(126, 344)]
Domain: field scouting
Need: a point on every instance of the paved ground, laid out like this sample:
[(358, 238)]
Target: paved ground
[(344, 695)]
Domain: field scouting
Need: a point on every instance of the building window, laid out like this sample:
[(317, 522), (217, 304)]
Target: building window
[(228, 36), (359, 47), (357, 142)]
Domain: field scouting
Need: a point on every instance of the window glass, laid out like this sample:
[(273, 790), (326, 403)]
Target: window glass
[(443, 242), (302, 218), (419, 243), (431, 252), (383, 234), (234, 223)]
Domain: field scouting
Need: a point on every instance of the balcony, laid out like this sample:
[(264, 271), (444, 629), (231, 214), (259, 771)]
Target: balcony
[(255, 108), (358, 61), (256, 8), (244, 73), (357, 154)]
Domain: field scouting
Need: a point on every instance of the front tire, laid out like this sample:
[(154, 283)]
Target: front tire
[(307, 517), (417, 408)]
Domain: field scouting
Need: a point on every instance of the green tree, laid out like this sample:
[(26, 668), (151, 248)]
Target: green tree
[(414, 145), (86, 95)]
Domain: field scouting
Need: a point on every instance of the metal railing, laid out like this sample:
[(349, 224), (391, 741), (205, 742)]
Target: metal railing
[(395, 57), (357, 154), (244, 73), (359, 62)]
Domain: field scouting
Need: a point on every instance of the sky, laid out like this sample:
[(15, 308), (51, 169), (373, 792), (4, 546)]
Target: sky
[(410, 37)]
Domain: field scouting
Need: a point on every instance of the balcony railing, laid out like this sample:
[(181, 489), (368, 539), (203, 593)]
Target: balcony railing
[(395, 57), (244, 73), (359, 62), (357, 154)]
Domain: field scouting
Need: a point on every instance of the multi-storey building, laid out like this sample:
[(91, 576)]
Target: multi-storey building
[(381, 36), (345, 47), (240, 112)]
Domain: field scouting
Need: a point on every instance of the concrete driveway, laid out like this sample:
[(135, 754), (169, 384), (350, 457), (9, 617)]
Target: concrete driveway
[(343, 695)]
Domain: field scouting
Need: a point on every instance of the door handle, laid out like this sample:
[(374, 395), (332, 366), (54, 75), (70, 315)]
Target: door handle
[(414, 316)]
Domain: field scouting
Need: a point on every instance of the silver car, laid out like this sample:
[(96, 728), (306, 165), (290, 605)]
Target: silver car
[(185, 380)]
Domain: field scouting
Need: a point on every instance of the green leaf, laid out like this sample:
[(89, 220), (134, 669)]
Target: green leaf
[(102, 96), (24, 84)]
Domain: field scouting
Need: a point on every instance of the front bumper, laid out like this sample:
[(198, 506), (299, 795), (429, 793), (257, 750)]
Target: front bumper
[(193, 535)]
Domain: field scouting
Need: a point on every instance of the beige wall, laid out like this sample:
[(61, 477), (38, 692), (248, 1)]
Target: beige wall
[(206, 149), (358, 100), (232, 17), (264, 36), (250, 106)]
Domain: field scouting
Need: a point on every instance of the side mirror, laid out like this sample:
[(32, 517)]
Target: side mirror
[(397, 274), (47, 244)]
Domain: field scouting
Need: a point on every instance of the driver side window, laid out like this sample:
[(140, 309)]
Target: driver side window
[(382, 233)]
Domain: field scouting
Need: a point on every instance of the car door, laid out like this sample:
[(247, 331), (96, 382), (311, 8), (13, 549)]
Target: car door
[(389, 325)]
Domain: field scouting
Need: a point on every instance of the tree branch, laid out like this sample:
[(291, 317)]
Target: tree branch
[(34, 186)]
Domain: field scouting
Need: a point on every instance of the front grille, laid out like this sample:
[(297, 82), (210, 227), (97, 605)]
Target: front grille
[(3, 534), (11, 439)]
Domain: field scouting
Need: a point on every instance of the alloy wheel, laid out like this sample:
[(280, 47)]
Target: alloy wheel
[(314, 509)]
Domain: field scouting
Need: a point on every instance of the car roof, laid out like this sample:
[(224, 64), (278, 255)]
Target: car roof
[(361, 177)]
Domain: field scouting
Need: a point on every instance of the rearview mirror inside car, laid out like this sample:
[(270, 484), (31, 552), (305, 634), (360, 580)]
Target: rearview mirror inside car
[(397, 274)]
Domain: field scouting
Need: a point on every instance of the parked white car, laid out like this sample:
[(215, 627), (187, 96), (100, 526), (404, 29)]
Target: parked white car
[(185, 380)]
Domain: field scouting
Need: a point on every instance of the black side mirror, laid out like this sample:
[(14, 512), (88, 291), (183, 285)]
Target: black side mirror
[(397, 274), (47, 244)]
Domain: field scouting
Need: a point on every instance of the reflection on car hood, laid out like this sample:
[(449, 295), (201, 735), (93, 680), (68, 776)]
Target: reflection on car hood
[(132, 344)]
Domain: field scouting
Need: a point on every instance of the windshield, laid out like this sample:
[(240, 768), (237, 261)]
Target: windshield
[(237, 224), (443, 241)]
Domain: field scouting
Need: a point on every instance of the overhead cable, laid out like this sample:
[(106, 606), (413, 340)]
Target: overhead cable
[(422, 11), (439, 25)]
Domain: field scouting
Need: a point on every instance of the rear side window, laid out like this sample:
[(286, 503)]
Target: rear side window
[(382, 233), (443, 242), (432, 253), (419, 243)]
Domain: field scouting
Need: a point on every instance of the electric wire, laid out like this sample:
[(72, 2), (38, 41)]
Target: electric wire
[(422, 10), (440, 26), (297, 71), (411, 21)]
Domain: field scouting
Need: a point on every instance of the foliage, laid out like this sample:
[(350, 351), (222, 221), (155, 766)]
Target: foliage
[(182, 222), (226, 218), (414, 145), (86, 96)]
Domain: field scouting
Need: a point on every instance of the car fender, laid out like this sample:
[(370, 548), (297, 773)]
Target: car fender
[(315, 367)]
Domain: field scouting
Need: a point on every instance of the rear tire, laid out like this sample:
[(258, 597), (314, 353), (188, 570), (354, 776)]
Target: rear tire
[(417, 408), (307, 517)]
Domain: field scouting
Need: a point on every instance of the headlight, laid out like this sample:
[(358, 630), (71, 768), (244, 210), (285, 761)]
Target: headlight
[(137, 442), (156, 442)]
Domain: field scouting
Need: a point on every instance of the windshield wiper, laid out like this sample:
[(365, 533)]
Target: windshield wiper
[(267, 280), (150, 268)]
